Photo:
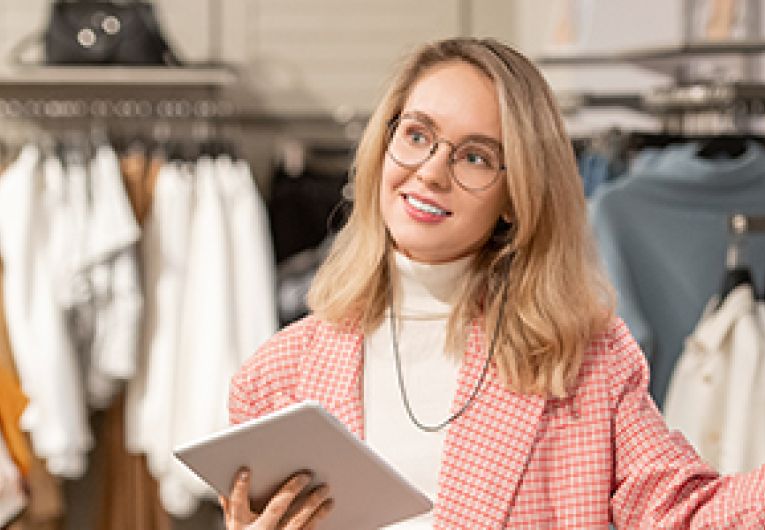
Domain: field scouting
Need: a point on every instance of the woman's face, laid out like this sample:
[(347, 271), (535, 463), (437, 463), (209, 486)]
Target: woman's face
[(430, 217)]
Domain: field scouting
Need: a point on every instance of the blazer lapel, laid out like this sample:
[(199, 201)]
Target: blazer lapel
[(331, 372), (487, 449)]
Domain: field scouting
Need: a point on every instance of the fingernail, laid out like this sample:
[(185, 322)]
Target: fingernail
[(244, 474), (305, 480)]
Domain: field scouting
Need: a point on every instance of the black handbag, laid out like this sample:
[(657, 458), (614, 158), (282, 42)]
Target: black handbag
[(105, 33)]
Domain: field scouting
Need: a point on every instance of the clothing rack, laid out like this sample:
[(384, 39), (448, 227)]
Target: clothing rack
[(748, 98), (181, 108), (571, 102), (204, 111)]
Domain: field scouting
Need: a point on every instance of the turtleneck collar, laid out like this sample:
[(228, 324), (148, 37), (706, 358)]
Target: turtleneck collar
[(429, 289)]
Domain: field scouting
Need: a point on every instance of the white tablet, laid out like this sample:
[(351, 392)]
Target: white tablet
[(367, 492)]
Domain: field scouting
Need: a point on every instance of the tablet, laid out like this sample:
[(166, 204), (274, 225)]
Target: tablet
[(367, 491)]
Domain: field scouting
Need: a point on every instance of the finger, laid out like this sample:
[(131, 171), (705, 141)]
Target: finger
[(280, 503), (319, 514), (309, 507), (223, 501), (239, 502)]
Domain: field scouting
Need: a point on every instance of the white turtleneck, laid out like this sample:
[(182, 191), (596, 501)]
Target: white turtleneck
[(430, 376)]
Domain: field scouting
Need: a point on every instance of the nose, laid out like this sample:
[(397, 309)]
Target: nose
[(435, 170)]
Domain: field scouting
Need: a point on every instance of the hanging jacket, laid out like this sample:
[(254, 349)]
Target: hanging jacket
[(150, 395), (30, 202), (112, 267), (208, 274), (718, 385), (252, 255), (208, 345), (662, 233)]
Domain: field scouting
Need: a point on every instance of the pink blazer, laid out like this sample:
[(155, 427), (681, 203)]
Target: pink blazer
[(518, 461)]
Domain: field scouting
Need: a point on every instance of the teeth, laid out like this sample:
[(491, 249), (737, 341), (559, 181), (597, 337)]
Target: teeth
[(425, 207)]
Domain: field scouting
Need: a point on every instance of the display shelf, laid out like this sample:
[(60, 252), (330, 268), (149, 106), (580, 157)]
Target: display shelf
[(660, 58), (570, 102), (731, 95)]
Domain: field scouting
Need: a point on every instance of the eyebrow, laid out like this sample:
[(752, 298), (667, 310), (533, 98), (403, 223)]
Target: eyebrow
[(430, 122)]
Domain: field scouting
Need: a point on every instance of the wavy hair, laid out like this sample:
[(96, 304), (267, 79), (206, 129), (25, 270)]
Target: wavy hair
[(545, 260)]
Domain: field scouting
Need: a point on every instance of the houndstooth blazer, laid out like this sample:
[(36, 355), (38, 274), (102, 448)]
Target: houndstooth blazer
[(518, 461)]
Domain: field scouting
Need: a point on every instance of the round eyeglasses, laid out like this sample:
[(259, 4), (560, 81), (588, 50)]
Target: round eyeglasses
[(474, 164)]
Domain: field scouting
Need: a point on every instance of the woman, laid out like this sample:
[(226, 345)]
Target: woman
[(461, 326)]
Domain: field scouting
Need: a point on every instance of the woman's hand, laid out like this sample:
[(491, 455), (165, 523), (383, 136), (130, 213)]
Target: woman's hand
[(238, 515)]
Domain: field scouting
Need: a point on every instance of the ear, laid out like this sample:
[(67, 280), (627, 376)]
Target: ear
[(503, 232)]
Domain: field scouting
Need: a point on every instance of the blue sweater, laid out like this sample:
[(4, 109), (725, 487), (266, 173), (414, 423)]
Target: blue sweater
[(662, 234)]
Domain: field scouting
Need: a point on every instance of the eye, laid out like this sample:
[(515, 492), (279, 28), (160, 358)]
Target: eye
[(476, 159), (479, 156), (416, 135)]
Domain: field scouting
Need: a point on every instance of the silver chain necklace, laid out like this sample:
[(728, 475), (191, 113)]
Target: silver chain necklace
[(437, 427)]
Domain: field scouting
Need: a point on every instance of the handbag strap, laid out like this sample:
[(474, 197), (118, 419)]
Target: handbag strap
[(16, 53)]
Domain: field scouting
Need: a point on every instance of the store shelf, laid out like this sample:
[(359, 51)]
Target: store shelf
[(159, 76), (571, 102), (662, 58)]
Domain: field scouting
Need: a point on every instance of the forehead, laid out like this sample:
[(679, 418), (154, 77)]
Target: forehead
[(458, 98)]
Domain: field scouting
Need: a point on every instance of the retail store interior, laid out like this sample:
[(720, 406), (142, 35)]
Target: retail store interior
[(229, 169)]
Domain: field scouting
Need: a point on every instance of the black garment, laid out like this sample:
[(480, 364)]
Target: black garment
[(303, 210)]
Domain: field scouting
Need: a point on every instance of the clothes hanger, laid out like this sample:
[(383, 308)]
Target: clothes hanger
[(723, 147), (733, 278), (736, 274)]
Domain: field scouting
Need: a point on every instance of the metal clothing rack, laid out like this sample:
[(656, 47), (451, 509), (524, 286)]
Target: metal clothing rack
[(105, 108), (729, 104)]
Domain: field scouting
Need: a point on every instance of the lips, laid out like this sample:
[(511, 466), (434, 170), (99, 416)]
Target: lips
[(426, 206)]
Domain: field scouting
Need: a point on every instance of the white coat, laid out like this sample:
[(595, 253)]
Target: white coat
[(717, 391), (31, 199)]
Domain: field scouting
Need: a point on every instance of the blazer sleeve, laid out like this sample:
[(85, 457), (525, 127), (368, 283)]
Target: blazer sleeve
[(659, 481), (268, 380), (243, 400)]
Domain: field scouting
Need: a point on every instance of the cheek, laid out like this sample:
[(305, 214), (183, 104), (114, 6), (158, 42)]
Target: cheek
[(393, 175), (386, 194), (392, 178)]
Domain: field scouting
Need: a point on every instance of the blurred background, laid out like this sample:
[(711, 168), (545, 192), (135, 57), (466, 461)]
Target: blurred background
[(172, 172)]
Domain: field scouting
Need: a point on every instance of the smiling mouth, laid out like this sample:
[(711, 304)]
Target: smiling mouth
[(426, 207)]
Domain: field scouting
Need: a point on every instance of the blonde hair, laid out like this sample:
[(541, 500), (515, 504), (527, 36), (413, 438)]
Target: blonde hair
[(557, 297)]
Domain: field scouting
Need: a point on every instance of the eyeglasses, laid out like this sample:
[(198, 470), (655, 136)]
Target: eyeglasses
[(474, 164)]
